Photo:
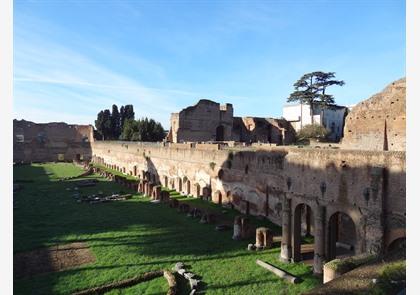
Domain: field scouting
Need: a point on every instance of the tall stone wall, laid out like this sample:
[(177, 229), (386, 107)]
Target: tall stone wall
[(209, 121), (378, 123), (367, 186), (34, 142), (205, 121)]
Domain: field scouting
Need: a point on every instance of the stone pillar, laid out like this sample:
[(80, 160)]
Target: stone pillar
[(263, 238), (143, 186), (150, 189), (286, 248), (237, 228), (156, 192), (164, 196), (245, 230), (308, 220), (319, 248)]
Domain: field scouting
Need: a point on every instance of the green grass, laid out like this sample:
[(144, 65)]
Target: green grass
[(132, 237), (115, 172), (391, 279)]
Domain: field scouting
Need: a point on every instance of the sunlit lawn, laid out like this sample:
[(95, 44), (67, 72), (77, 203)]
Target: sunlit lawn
[(132, 237)]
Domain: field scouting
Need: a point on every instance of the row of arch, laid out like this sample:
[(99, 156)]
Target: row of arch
[(335, 232)]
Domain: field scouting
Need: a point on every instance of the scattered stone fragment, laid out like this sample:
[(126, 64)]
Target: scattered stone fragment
[(189, 275), (181, 271), (178, 265), (194, 283), (251, 247)]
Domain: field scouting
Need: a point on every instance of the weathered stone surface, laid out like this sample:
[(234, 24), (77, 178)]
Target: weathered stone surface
[(379, 122), (210, 121), (49, 142), (178, 265), (194, 283), (189, 275)]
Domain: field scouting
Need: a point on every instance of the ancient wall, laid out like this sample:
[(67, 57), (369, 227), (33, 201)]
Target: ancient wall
[(367, 186), (378, 123), (209, 121), (205, 121), (34, 142), (267, 130)]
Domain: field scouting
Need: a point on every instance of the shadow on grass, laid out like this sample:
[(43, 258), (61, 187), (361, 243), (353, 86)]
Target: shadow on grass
[(127, 237)]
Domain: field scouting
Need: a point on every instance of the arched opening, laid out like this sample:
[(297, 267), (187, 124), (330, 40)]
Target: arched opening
[(188, 187), (220, 133), (342, 237), (179, 185), (397, 246), (166, 181), (302, 223), (198, 190), (269, 133), (219, 197)]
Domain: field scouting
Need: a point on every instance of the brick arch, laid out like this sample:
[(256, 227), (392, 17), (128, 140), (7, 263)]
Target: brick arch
[(393, 235), (332, 229), (297, 227), (218, 197)]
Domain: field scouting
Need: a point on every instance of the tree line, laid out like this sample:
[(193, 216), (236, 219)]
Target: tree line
[(120, 124)]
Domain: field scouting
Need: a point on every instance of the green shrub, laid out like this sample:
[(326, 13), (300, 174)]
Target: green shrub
[(314, 131), (391, 278)]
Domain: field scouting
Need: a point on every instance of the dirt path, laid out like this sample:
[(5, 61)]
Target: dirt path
[(51, 259)]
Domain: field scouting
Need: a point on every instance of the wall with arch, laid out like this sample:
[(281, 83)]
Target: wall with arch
[(368, 186)]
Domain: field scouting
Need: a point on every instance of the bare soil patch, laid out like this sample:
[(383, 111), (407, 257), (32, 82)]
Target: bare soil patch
[(52, 259)]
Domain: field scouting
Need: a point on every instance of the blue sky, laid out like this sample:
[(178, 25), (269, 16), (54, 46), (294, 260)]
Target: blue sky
[(74, 58)]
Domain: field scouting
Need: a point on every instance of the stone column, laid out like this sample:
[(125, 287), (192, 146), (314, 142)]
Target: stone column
[(286, 248), (237, 228), (319, 248)]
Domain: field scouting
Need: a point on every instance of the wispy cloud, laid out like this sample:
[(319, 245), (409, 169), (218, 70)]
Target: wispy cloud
[(49, 73)]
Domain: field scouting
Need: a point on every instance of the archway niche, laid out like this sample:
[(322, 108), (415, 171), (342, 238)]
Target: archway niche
[(188, 184), (166, 180), (397, 245), (302, 228), (219, 197), (342, 237), (180, 185), (197, 190), (220, 133)]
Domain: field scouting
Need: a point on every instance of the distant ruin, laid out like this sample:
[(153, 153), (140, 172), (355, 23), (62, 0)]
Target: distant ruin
[(33, 142), (342, 196), (209, 121)]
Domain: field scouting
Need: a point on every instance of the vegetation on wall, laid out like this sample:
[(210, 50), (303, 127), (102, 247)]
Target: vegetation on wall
[(314, 131)]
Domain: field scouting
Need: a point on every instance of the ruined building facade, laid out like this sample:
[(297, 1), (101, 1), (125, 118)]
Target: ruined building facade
[(347, 195), (353, 197), (379, 122), (209, 121), (34, 142)]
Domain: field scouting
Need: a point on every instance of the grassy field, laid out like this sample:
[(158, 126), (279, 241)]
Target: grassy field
[(134, 236)]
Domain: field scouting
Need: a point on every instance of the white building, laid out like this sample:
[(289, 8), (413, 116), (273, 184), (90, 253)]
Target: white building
[(330, 116)]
